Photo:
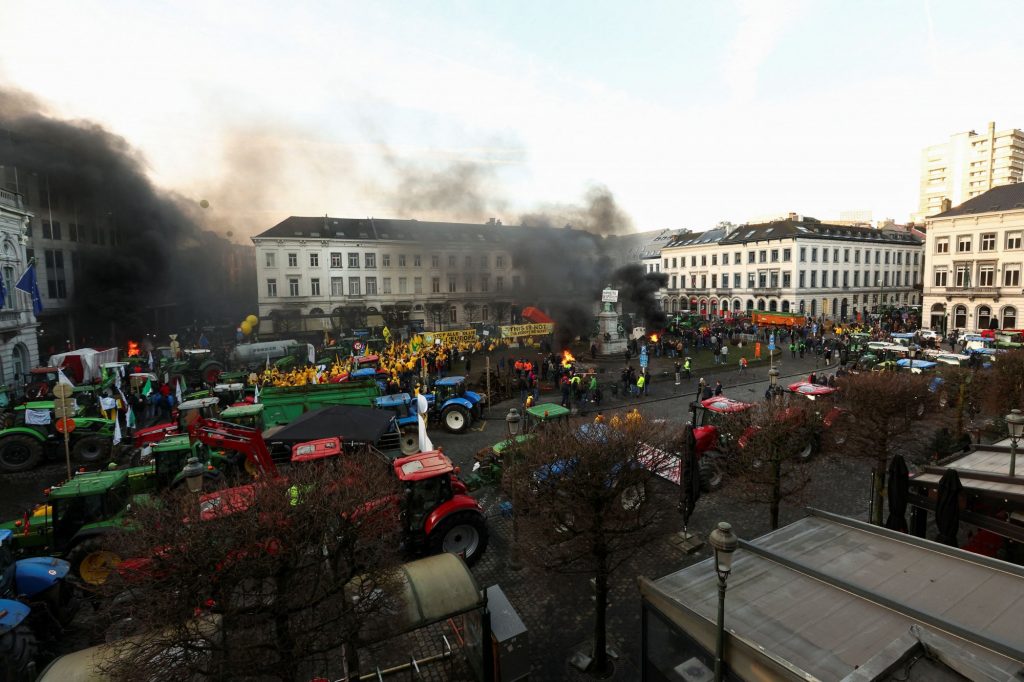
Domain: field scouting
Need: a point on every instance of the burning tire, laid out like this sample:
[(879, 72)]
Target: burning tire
[(19, 453), (92, 562), (456, 419), (711, 475), (17, 655), (462, 533), (91, 449)]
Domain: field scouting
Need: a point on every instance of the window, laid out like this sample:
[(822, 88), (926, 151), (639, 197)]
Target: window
[(417, 261), (824, 255), (762, 256), (775, 255), (9, 280), (800, 279), (751, 281), (988, 243), (353, 260), (915, 258), (846, 255), (963, 276), (371, 286), (370, 260), (941, 278), (451, 261), (856, 256), (960, 316), (725, 260), (499, 261), (899, 258), (401, 260), (835, 278), (736, 280), (337, 289), (51, 231), (814, 255), (714, 281), (703, 281), (1013, 240), (417, 283), (986, 277), (814, 278), (403, 285), (886, 257), (314, 286), (1009, 317), (846, 278), (856, 279), (673, 281), (499, 283), (878, 257), (963, 244), (751, 257), (485, 283), (703, 259), (271, 288), (787, 255), (293, 286), (714, 259), (469, 283), (774, 277), (737, 257), (56, 283), (485, 313), (270, 259), (314, 260), (453, 314), (803, 254), (451, 284), (469, 262), (483, 262), (353, 286), (693, 261), (435, 285), (385, 260), (984, 316), (942, 245), (1011, 275), (336, 259), (787, 279), (293, 260)]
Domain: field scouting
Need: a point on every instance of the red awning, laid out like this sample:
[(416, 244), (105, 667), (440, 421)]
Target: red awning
[(535, 315)]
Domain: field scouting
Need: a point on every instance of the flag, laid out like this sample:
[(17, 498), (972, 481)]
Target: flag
[(256, 393), (30, 286), (421, 413), (117, 428), (386, 333), (147, 389), (150, 361), (177, 391), (3, 292), (62, 378), (129, 419)]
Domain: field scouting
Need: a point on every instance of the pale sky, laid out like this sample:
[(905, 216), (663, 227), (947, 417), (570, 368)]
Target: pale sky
[(689, 112)]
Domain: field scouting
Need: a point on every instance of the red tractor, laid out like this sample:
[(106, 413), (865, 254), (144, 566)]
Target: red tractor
[(829, 414), (708, 417)]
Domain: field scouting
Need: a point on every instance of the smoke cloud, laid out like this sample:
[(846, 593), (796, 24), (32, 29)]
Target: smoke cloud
[(598, 214)]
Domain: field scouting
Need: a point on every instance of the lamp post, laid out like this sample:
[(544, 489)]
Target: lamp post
[(773, 380), (725, 543), (193, 473), (512, 424), (1015, 423)]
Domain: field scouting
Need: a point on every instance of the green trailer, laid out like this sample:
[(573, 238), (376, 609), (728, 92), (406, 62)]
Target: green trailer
[(282, 405)]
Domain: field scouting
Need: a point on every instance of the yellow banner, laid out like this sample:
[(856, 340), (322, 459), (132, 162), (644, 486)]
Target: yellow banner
[(517, 330), (455, 336)]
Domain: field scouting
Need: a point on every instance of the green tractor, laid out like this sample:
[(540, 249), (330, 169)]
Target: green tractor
[(75, 521), (161, 466), (34, 436), (197, 366)]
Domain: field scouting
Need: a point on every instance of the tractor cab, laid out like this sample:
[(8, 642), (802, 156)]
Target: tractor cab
[(250, 415), (449, 387), (401, 405), (87, 499), (456, 406), (229, 393), (543, 415), (429, 480), (186, 413), (41, 381)]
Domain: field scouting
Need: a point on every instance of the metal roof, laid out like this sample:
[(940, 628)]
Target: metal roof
[(826, 595)]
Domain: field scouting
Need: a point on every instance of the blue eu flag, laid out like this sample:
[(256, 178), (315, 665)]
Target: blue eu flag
[(30, 286)]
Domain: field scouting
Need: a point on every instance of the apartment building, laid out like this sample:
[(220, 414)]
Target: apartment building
[(967, 165), (18, 343), (975, 258), (794, 265)]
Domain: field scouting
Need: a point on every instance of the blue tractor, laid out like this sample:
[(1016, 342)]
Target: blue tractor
[(450, 402), (36, 603)]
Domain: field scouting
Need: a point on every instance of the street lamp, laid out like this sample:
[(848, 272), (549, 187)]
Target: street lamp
[(773, 380), (193, 473), (512, 423), (725, 543), (1015, 423)]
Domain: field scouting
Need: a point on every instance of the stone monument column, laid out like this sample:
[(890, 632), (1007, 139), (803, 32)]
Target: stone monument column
[(611, 338)]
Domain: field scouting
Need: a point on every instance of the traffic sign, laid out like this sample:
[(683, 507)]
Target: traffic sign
[(65, 425), (63, 390)]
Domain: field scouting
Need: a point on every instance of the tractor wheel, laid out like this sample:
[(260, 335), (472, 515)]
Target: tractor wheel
[(806, 452), (91, 449), (92, 562), (410, 443), (462, 533), (456, 419), (18, 651), (711, 476), (212, 372), (633, 497), (19, 453)]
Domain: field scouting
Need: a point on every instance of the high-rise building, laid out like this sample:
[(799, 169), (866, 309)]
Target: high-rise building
[(967, 165)]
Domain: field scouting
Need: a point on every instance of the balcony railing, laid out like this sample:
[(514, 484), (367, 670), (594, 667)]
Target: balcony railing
[(9, 198), (10, 319), (971, 292), (723, 291)]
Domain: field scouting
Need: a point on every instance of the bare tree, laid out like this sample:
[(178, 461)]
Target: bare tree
[(774, 441), (278, 580), (1004, 383), (585, 502), (883, 412)]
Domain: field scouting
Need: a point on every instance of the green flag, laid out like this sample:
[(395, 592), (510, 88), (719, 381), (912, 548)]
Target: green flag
[(147, 389)]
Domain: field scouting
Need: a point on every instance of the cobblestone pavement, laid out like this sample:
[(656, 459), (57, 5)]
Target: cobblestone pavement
[(557, 609)]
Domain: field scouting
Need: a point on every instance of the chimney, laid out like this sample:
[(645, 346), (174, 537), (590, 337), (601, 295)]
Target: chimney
[(794, 217), (945, 205)]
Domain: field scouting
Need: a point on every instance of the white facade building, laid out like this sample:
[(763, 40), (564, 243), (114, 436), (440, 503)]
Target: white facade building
[(18, 344), (794, 265), (975, 258)]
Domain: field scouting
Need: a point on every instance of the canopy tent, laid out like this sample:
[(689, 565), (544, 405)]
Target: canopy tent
[(83, 365), (350, 423)]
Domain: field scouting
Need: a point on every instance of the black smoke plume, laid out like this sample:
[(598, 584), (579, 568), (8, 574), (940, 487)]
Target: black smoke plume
[(598, 214), (162, 261), (640, 289)]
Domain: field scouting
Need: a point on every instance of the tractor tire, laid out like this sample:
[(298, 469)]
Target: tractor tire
[(711, 476), (806, 452), (18, 650), (92, 562), (410, 443), (19, 453), (456, 419), (211, 372), (91, 449), (463, 533)]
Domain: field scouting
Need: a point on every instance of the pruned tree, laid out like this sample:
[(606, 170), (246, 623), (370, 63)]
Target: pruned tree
[(585, 501), (1004, 383), (773, 443), (885, 414), (276, 580)]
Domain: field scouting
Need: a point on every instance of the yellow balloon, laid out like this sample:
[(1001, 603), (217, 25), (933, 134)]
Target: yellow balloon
[(246, 327), (253, 321)]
